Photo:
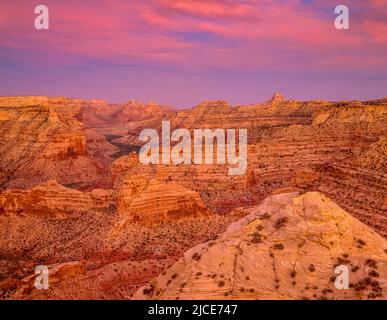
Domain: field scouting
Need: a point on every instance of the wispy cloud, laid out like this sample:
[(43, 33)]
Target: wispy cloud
[(238, 35), (147, 30)]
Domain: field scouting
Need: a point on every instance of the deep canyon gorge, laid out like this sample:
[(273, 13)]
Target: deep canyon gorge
[(75, 197)]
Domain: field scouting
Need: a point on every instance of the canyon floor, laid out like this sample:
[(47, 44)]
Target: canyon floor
[(75, 198)]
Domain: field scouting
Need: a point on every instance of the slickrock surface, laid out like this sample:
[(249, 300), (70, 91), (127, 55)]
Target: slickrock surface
[(287, 248)]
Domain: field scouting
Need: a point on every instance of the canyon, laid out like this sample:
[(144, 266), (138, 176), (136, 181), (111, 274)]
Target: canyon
[(74, 196), (286, 248), (203, 147)]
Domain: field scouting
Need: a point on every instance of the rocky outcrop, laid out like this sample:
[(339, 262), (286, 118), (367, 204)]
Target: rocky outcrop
[(287, 248), (152, 199), (153, 202), (52, 200), (57, 274), (42, 140), (277, 99), (122, 166), (123, 119), (136, 200)]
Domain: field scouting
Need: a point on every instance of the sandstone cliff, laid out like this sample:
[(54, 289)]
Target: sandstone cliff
[(333, 147), (152, 202), (51, 200), (41, 139)]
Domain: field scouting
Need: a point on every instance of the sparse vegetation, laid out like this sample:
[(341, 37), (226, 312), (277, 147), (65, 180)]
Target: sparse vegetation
[(278, 246), (280, 222), (360, 243), (355, 268), (257, 238), (149, 291), (371, 263), (260, 227), (221, 283), (196, 256), (368, 284), (373, 274)]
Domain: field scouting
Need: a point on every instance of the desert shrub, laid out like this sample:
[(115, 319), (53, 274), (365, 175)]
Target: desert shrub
[(355, 268), (148, 291), (221, 283), (257, 238), (360, 243), (373, 274), (280, 222), (279, 246), (196, 256), (260, 227), (371, 263)]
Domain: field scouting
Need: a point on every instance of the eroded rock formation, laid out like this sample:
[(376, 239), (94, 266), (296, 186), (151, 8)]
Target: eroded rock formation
[(43, 140), (118, 224), (287, 248), (51, 200)]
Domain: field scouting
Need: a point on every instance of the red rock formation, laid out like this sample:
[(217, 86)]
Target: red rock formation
[(153, 202), (335, 148), (320, 141), (42, 140), (52, 200), (51, 224), (287, 248)]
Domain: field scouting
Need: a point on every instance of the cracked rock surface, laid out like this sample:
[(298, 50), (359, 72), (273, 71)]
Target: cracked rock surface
[(287, 248)]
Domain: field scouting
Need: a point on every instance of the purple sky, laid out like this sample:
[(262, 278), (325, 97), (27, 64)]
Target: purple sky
[(181, 52)]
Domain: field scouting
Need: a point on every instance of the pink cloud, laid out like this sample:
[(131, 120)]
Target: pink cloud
[(208, 8), (264, 34), (377, 30)]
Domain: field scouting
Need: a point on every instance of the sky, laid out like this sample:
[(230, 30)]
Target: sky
[(181, 52)]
